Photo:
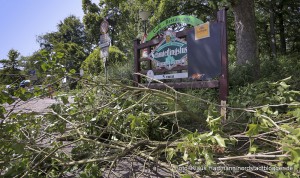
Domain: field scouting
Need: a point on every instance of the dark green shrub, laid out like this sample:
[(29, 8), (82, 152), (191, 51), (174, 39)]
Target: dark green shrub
[(93, 64)]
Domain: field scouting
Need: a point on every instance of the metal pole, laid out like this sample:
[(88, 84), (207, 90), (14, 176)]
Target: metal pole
[(137, 66), (145, 27), (105, 69)]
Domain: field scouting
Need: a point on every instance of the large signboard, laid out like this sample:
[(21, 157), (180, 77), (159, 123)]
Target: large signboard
[(199, 54)]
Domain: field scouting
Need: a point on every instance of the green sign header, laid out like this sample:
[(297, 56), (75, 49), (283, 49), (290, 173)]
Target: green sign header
[(176, 19)]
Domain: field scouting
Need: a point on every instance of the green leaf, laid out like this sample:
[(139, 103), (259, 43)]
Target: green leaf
[(72, 71), (295, 153), (265, 109), (23, 97), (192, 157), (284, 85), (64, 99), (19, 148), (296, 113), (2, 110), (281, 175), (171, 152), (220, 140), (286, 79), (186, 176), (185, 156), (290, 163), (253, 149), (44, 66), (59, 55), (44, 52), (6, 98), (253, 129), (208, 158), (266, 123)]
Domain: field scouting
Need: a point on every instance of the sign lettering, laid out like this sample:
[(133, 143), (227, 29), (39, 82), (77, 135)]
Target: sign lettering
[(173, 20), (202, 31)]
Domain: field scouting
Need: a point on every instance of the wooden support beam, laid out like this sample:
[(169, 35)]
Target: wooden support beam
[(182, 85)]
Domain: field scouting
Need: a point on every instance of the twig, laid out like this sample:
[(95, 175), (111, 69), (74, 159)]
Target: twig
[(47, 156), (169, 167), (126, 151), (270, 120), (252, 156), (255, 174), (72, 163)]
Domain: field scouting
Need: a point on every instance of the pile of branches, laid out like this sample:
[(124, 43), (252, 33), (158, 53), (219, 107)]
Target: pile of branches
[(116, 130)]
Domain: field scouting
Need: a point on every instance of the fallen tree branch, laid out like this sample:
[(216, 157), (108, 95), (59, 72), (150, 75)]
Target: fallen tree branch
[(253, 156), (72, 163)]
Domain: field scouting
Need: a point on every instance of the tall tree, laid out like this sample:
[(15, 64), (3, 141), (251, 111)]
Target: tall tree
[(72, 30), (246, 39), (12, 62), (10, 72), (33, 62), (281, 27), (69, 40), (280, 17), (272, 29)]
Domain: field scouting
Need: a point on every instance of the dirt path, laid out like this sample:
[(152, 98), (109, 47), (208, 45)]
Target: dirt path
[(39, 105), (33, 105)]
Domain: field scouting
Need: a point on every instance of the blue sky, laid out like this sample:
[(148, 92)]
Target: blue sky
[(21, 21)]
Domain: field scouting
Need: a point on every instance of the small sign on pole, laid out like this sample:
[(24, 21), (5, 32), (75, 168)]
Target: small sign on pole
[(104, 38), (104, 52), (104, 27), (202, 31)]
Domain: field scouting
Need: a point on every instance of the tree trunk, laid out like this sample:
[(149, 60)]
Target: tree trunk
[(281, 29), (246, 39), (272, 30)]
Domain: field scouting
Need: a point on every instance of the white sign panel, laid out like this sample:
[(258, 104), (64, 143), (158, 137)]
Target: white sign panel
[(104, 38), (151, 76), (104, 52)]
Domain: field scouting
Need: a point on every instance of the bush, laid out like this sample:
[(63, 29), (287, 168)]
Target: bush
[(93, 64), (282, 67)]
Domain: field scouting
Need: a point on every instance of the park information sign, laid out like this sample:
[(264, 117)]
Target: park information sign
[(201, 52), (170, 52)]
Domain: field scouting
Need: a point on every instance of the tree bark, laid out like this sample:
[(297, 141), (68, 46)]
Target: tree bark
[(272, 30), (281, 29), (246, 39)]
